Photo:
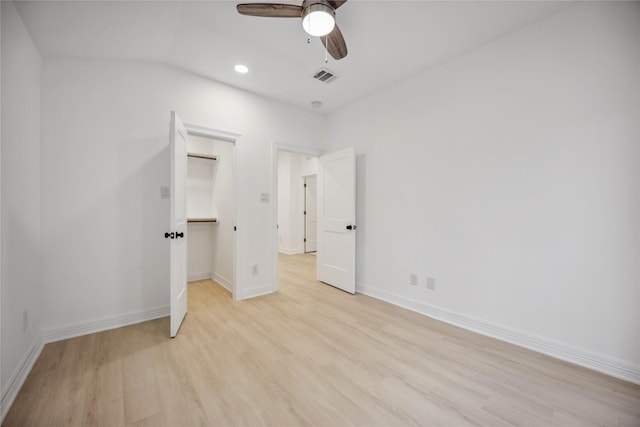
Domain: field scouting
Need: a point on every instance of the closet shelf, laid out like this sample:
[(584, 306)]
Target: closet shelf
[(211, 220), (202, 156)]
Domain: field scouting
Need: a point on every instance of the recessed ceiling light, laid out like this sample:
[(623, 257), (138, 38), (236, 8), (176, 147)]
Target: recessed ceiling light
[(242, 69)]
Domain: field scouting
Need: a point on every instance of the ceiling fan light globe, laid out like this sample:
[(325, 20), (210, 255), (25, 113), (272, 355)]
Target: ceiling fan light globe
[(318, 20)]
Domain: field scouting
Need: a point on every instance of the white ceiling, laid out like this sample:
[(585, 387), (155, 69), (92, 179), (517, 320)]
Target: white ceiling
[(388, 41)]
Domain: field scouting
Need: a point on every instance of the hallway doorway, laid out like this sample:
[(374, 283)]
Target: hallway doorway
[(296, 207)]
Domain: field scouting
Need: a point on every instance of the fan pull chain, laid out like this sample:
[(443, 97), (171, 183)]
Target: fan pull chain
[(326, 48)]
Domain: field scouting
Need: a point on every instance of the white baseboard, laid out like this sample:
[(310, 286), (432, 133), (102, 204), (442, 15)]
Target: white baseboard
[(223, 281), (256, 292), (606, 365), (199, 276), (19, 376), (103, 324), (289, 251)]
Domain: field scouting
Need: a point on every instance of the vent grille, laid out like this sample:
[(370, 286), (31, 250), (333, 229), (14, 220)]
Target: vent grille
[(324, 75)]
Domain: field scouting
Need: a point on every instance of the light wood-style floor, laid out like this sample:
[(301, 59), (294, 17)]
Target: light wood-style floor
[(309, 355)]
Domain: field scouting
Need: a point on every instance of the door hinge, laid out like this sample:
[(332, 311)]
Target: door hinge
[(305, 240), (305, 185), (235, 228), (305, 212)]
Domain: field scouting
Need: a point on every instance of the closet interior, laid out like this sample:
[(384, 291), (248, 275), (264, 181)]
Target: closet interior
[(210, 210)]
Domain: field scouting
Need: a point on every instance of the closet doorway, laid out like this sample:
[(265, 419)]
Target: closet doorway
[(210, 210), (211, 201)]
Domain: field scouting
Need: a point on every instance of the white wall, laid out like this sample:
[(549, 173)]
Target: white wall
[(104, 158), (201, 175), (21, 272), (510, 175), (200, 251), (308, 165)]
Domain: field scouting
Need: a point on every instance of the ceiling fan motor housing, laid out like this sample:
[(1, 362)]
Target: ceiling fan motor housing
[(308, 3)]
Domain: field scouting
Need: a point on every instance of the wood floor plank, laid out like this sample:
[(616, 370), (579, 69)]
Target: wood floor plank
[(309, 355)]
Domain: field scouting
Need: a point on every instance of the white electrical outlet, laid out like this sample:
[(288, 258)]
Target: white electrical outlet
[(431, 283), (413, 279), (254, 269)]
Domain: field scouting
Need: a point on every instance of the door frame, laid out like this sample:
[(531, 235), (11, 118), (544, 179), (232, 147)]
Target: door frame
[(236, 140), (273, 220), (306, 211)]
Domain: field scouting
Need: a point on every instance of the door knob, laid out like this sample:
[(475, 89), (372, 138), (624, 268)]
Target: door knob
[(351, 227), (168, 235)]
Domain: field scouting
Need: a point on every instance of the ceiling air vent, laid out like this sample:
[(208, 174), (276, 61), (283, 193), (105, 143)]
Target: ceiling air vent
[(324, 75)]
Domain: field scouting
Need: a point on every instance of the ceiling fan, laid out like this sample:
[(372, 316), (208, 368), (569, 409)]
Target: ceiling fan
[(318, 19)]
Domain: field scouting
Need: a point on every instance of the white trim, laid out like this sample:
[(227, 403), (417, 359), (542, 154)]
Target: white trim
[(290, 251), (212, 133), (19, 376), (273, 211), (199, 276), (103, 324), (257, 292), (597, 362), (222, 281)]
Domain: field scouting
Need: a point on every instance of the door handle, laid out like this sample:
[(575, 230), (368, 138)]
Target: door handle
[(351, 227), (175, 235)]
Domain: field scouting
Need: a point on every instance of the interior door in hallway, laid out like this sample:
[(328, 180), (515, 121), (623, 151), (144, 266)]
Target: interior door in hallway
[(178, 227), (336, 219), (310, 214)]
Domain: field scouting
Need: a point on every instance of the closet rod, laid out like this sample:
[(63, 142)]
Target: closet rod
[(202, 220), (202, 156)]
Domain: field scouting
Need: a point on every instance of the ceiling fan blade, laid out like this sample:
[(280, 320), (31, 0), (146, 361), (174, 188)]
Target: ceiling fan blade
[(270, 10), (337, 3), (337, 46)]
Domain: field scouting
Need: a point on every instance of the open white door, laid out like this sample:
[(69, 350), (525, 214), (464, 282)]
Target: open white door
[(336, 220), (178, 228)]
